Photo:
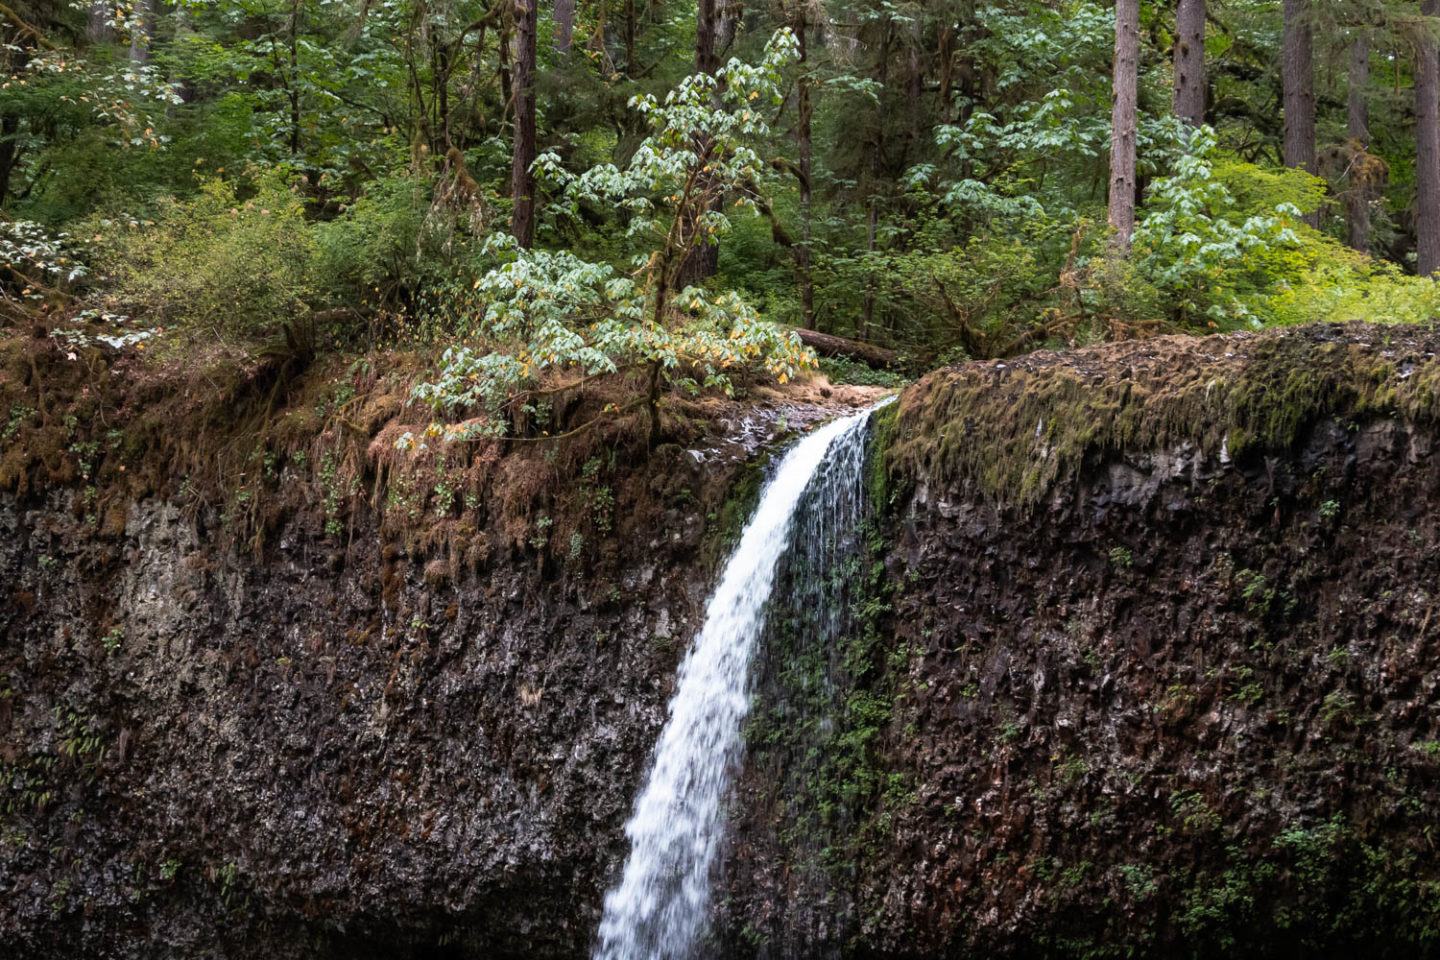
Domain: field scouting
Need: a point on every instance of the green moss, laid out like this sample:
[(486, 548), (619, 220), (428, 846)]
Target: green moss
[(725, 525), (1316, 887), (1013, 431), (879, 480)]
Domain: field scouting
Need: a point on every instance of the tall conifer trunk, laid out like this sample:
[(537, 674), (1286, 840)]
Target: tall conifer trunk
[(1123, 123), (1427, 150), (522, 184), (1297, 77), (1189, 98), (804, 111), (1357, 198)]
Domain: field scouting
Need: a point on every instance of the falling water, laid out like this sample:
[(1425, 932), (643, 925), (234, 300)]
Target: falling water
[(659, 907)]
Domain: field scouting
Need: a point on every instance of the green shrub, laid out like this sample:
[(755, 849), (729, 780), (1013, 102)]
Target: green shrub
[(373, 247), (224, 265)]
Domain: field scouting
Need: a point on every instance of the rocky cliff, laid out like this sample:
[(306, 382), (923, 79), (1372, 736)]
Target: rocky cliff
[(1138, 657)]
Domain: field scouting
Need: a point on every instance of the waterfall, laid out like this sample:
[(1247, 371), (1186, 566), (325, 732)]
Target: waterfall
[(659, 907)]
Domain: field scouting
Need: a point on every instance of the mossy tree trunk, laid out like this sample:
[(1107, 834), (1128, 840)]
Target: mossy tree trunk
[(1427, 149)]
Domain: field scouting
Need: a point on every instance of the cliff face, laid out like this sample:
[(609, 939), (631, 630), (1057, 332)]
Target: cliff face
[(320, 750), (1138, 653), (1161, 674)]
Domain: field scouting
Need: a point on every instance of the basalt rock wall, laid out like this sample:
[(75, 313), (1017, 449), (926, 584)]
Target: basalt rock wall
[(1159, 667), (1141, 657)]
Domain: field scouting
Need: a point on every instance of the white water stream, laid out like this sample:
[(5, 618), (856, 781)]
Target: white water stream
[(659, 907)]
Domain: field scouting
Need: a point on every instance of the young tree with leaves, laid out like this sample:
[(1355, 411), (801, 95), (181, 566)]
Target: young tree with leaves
[(557, 311)]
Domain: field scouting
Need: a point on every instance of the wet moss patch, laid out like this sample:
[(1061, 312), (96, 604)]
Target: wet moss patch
[(1014, 430)]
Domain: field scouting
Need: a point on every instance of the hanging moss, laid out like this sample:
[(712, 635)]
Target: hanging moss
[(1014, 430), (878, 479)]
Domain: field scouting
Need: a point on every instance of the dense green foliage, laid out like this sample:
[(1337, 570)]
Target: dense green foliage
[(926, 176)]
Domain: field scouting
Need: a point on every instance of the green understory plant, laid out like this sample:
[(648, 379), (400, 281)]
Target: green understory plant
[(550, 310)]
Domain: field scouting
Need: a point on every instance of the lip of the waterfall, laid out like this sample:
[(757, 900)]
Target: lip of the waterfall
[(777, 448)]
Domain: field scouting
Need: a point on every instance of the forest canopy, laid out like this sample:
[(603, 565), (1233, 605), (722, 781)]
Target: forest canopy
[(670, 189)]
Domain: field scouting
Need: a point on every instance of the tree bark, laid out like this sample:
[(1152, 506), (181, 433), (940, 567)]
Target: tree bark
[(144, 30), (9, 152), (632, 29), (294, 78), (1427, 150), (564, 25), (1123, 123), (1189, 98), (1297, 77), (877, 156), (828, 345), (704, 259), (1357, 199), (98, 28), (804, 111), (522, 184)]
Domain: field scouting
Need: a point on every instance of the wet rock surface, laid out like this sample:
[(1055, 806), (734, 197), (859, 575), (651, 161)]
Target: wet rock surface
[(1185, 701), (1180, 704)]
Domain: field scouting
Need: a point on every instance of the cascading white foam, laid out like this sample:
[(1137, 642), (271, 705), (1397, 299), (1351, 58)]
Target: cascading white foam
[(659, 907)]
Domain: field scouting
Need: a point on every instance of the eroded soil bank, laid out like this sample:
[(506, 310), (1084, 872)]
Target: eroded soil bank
[(1142, 658)]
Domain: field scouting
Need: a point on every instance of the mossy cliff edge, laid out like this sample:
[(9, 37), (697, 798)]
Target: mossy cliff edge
[(1012, 430)]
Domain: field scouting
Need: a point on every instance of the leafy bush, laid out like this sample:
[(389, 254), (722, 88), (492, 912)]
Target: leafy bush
[(555, 310), (404, 239), (374, 246), (839, 370), (33, 259), (1325, 281), (218, 264), (1201, 249)]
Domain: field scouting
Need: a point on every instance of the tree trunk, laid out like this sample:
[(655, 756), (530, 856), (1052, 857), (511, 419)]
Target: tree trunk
[(98, 28), (144, 30), (564, 25), (804, 111), (1189, 100), (877, 155), (9, 152), (632, 30), (828, 345), (1297, 77), (1357, 199), (1427, 150), (704, 259), (522, 184), (1123, 123), (727, 16), (914, 82), (294, 77)]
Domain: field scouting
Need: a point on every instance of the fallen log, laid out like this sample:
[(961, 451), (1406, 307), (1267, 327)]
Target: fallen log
[(829, 345)]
